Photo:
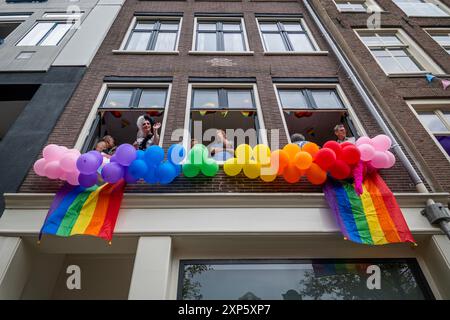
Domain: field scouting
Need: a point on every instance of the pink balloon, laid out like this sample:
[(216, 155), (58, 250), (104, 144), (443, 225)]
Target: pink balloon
[(74, 151), (53, 170), (391, 161), (363, 140), (69, 162), (381, 142), (39, 167), (72, 178), (52, 152), (380, 160), (367, 152), (63, 176)]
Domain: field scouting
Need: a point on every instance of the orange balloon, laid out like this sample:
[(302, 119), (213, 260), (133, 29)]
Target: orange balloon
[(291, 174), (311, 148), (291, 149), (279, 159), (316, 175), (303, 160)]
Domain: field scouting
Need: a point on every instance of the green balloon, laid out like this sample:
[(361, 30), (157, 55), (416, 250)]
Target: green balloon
[(198, 154), (210, 168), (191, 170)]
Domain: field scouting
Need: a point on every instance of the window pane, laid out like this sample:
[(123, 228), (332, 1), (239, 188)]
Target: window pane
[(118, 98), (169, 26), (389, 64), (36, 34), (390, 40), (447, 116), (421, 9), (292, 26), (293, 99), (358, 7), (445, 143), (206, 42), (300, 42), (139, 41), (269, 26), (432, 122), (371, 40), (206, 99), (144, 25), (153, 98), (274, 42), (405, 60), (166, 41), (442, 39), (56, 34), (232, 27), (327, 99), (207, 26), (233, 42), (240, 99)]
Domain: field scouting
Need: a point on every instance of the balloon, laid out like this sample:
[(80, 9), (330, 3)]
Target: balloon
[(363, 140), (87, 163), (325, 158), (166, 172), (87, 180), (335, 146), (367, 152), (129, 178), (346, 144), (112, 172), (391, 161), (316, 175), (291, 149), (380, 160), (279, 159), (176, 154), (113, 159), (72, 178), (209, 168), (125, 154), (252, 169), (268, 173), (154, 155), (69, 162), (140, 154), (53, 170), (39, 167), (74, 151), (381, 142), (138, 169), (311, 148), (291, 174), (350, 154), (303, 160), (261, 153), (52, 152), (98, 156), (178, 169), (150, 175), (340, 170), (198, 154), (243, 153), (231, 167), (191, 170)]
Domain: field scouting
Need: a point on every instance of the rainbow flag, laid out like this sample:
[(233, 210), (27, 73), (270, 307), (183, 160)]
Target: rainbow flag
[(373, 218), (89, 211)]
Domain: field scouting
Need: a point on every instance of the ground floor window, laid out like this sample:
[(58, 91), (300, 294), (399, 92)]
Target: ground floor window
[(336, 279)]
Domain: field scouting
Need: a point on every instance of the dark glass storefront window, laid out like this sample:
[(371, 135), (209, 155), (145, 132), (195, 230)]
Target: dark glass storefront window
[(400, 279)]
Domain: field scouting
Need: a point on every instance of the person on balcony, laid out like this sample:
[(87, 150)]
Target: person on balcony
[(147, 135), (298, 139), (106, 146), (221, 149), (341, 134)]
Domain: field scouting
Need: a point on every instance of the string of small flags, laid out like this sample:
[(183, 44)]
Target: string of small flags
[(445, 83)]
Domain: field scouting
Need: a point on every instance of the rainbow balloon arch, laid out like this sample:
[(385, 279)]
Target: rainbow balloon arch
[(292, 162)]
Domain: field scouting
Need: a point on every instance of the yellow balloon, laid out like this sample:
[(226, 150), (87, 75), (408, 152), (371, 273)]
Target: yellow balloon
[(261, 153), (243, 153), (231, 167), (252, 169), (268, 173)]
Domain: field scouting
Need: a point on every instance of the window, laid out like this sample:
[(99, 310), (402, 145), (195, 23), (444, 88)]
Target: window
[(396, 53), (283, 36), (233, 109), (441, 36), (9, 22), (153, 35), (45, 34), (63, 15), (357, 6), (120, 109), (423, 8), (313, 112), (227, 35), (318, 279)]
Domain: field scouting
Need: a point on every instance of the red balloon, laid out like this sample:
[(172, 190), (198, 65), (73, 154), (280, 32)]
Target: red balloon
[(335, 146), (340, 170), (350, 155), (346, 144), (325, 158)]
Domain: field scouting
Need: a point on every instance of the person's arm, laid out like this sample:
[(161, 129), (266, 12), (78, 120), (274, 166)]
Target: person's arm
[(155, 133)]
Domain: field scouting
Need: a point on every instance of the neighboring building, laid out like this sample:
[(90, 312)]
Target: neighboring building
[(250, 64)]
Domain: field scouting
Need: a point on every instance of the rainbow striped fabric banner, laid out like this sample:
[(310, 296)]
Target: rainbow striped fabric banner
[(77, 210), (373, 218)]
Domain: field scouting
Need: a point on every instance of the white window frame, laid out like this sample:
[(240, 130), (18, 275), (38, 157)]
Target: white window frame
[(57, 21), (86, 129), (317, 51), (430, 32), (14, 17), (427, 105), (413, 48), (225, 19), (439, 4), (335, 86), (135, 19), (370, 5), (59, 15), (262, 129)]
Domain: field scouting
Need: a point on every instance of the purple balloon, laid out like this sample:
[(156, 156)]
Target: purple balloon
[(129, 177), (98, 156), (113, 159), (87, 163), (125, 154), (112, 172), (87, 180)]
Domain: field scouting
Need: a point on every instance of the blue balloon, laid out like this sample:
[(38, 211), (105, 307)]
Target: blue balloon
[(166, 172), (150, 176), (140, 154), (176, 154), (154, 155), (138, 168), (178, 169)]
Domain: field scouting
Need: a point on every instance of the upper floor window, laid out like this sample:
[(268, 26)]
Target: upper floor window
[(286, 35), (9, 22), (441, 36), (396, 53), (423, 8), (357, 5), (153, 35), (45, 33), (220, 35)]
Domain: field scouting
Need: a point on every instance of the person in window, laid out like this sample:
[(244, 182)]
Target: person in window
[(298, 139), (221, 149), (106, 146), (341, 134), (148, 132)]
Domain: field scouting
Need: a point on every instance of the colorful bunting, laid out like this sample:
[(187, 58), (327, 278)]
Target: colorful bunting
[(444, 82)]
